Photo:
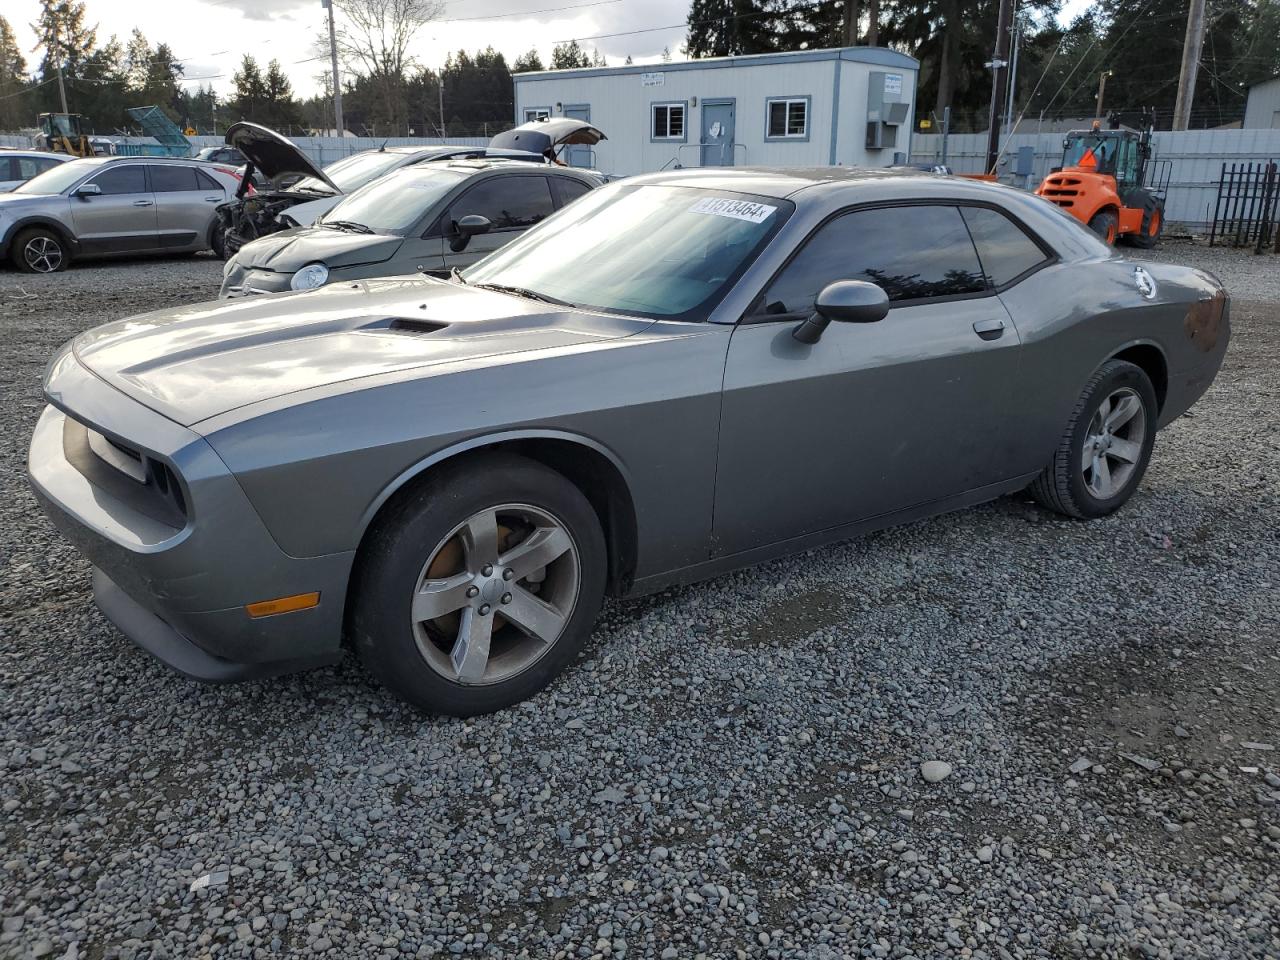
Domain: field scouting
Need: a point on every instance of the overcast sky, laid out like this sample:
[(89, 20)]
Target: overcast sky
[(210, 36)]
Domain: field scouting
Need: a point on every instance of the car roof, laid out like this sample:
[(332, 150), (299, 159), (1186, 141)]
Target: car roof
[(19, 152)]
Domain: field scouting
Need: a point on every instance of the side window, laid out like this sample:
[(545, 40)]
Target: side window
[(206, 182), (570, 190), (911, 252), (11, 169), (117, 180), (1005, 250), (510, 202), (167, 179), (788, 119), (24, 168)]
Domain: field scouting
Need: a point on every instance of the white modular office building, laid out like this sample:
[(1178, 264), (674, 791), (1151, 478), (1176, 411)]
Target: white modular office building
[(851, 106)]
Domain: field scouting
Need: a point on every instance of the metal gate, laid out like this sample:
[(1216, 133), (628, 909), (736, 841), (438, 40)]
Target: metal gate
[(1248, 206)]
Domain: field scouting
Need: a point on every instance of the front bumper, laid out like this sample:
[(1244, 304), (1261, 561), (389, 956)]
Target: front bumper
[(178, 588), (240, 281)]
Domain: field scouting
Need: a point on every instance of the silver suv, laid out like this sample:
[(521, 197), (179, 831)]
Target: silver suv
[(100, 206)]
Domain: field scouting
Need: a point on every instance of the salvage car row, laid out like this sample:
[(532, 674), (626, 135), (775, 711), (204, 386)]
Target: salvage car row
[(673, 376)]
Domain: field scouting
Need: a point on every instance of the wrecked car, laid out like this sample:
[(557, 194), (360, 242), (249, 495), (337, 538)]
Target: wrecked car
[(430, 218), (298, 191), (553, 138)]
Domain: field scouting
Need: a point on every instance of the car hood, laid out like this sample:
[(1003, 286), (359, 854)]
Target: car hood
[(537, 136), (275, 156), (196, 362), (13, 200), (290, 250)]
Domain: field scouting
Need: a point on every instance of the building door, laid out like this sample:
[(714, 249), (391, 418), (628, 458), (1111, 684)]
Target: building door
[(579, 156), (716, 145)]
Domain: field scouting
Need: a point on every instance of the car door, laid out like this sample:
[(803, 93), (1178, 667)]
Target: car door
[(877, 417), (121, 217), (512, 203), (185, 201)]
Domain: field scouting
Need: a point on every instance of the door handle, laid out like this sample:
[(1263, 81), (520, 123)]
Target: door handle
[(212, 199), (142, 203), (989, 329)]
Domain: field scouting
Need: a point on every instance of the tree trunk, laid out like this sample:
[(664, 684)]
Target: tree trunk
[(873, 23), (849, 25)]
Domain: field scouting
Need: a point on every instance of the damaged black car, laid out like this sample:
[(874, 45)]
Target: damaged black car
[(299, 192)]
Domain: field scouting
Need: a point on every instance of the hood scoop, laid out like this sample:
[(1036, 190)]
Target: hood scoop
[(410, 325)]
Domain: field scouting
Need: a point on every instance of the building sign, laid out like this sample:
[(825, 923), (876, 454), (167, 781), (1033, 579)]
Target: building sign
[(659, 79), (893, 83)]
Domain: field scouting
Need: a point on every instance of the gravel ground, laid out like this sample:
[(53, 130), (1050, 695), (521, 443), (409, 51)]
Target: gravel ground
[(734, 769)]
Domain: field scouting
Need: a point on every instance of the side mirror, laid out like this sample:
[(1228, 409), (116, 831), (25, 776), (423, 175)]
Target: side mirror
[(849, 301), (87, 190), (466, 228)]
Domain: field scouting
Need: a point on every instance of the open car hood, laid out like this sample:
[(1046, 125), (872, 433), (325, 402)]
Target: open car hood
[(538, 136), (273, 155)]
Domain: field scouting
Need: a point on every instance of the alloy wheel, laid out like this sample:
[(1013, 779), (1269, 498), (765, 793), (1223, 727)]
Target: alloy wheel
[(496, 594), (42, 254), (1113, 444)]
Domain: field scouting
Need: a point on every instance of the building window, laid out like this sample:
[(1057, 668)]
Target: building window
[(788, 119), (668, 121), (536, 113)]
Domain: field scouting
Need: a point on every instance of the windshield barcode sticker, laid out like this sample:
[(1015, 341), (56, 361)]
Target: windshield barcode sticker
[(737, 209)]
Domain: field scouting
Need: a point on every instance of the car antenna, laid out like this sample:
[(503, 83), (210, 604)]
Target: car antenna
[(383, 148)]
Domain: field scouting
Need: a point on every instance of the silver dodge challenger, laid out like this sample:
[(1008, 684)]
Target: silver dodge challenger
[(677, 375)]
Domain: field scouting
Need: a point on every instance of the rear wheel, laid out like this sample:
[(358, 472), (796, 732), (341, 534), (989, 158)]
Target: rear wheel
[(1105, 225), (1106, 446), (479, 586), (1152, 226), (38, 250)]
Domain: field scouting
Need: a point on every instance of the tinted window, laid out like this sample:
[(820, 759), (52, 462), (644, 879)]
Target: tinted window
[(117, 180), (911, 252), (206, 182), (571, 190), (166, 179), (1005, 251), (510, 203)]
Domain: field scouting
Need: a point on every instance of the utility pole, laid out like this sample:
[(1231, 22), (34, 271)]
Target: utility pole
[(1012, 97), (444, 135), (998, 64), (1190, 64), (57, 59), (333, 62), (1102, 88)]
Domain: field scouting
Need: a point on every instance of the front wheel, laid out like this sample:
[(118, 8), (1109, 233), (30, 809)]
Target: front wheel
[(40, 251), (1105, 224), (1106, 447), (1152, 226), (479, 586)]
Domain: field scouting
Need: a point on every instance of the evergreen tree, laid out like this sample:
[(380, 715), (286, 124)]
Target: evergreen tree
[(722, 28), (13, 80), (250, 90), (528, 62), (569, 56)]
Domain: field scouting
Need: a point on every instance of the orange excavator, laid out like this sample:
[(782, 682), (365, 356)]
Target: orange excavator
[(1110, 181)]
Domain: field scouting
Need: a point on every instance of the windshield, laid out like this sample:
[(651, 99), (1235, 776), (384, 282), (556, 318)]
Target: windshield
[(394, 204), (353, 172), (56, 179), (1102, 150), (656, 251)]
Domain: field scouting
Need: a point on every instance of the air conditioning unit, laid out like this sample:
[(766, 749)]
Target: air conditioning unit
[(881, 135)]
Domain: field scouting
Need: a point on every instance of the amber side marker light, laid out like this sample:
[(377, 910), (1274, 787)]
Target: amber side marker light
[(269, 608)]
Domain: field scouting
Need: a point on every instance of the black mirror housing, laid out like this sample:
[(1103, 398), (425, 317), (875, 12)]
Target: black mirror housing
[(466, 228), (848, 301)]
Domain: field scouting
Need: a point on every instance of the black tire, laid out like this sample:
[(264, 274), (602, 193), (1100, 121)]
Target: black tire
[(1062, 486), (396, 549), (1152, 225), (218, 241), (52, 255), (1105, 225)]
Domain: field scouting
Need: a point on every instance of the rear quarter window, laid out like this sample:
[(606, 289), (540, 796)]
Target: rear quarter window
[(1005, 249)]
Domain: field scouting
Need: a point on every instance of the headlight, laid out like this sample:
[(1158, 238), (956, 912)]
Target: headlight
[(309, 277)]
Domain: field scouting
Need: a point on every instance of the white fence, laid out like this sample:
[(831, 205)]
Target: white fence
[(1196, 157), (321, 150)]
